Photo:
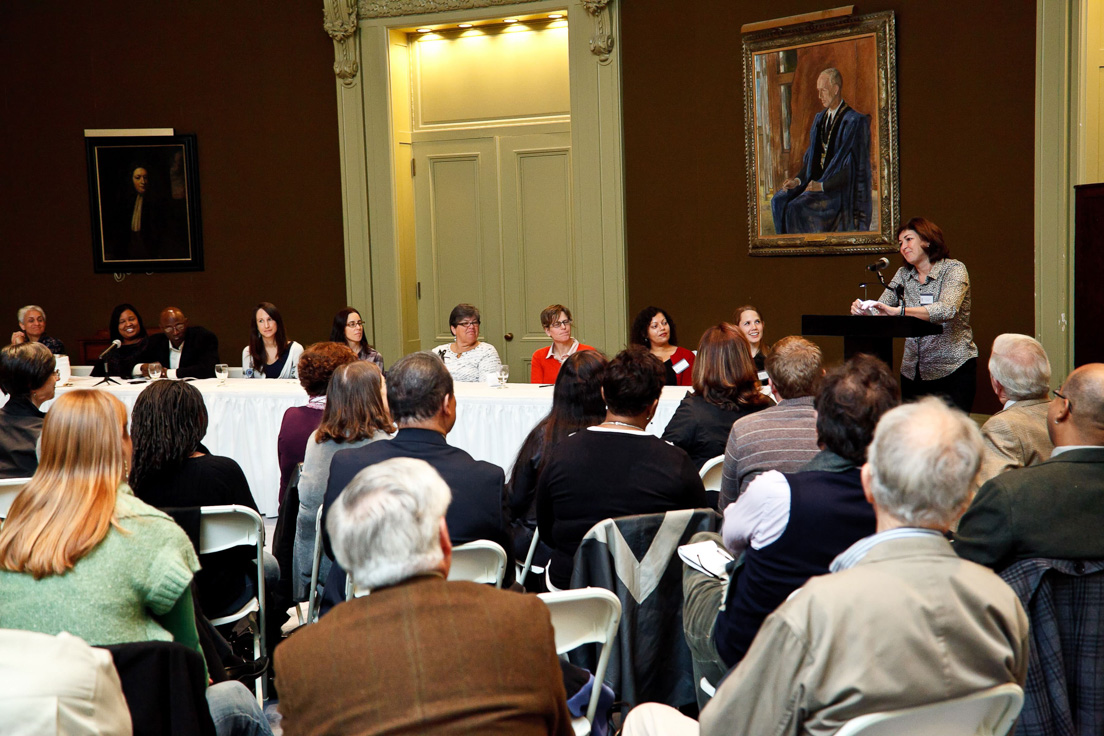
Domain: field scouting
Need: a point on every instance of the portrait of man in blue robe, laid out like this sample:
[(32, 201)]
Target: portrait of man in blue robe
[(831, 192)]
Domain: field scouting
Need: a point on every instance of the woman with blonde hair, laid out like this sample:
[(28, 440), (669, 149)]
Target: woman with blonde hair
[(356, 414)]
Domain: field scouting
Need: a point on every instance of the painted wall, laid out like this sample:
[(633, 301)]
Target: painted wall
[(254, 83), (966, 160)]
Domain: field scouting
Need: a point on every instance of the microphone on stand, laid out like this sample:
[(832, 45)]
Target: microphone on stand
[(114, 344), (879, 264), (107, 372)]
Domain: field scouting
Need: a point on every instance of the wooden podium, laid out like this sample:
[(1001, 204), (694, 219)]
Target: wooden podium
[(867, 334)]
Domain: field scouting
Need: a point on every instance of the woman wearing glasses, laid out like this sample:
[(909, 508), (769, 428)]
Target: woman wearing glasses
[(556, 320), (467, 359), (348, 329)]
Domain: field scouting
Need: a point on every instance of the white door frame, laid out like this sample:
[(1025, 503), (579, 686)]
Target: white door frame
[(362, 67)]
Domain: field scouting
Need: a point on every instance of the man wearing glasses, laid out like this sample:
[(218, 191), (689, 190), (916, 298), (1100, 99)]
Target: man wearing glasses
[(1054, 509)]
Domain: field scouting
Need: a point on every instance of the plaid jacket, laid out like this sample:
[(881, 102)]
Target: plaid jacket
[(1064, 599)]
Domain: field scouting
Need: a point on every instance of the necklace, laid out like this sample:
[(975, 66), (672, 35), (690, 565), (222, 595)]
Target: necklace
[(625, 424)]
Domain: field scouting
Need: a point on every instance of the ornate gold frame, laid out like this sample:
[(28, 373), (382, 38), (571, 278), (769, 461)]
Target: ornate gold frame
[(887, 204)]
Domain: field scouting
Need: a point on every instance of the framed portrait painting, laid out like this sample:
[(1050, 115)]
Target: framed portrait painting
[(144, 201), (821, 133)]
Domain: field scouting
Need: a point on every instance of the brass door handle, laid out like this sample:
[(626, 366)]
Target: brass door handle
[(508, 336)]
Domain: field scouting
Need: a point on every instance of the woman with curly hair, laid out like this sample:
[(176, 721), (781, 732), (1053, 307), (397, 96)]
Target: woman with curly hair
[(654, 330), (726, 388), (356, 414)]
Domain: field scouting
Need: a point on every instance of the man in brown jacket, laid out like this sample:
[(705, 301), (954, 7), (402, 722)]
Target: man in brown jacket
[(419, 654)]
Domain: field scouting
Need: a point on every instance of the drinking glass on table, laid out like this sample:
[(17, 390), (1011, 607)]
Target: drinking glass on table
[(154, 371), (503, 374), (222, 372)]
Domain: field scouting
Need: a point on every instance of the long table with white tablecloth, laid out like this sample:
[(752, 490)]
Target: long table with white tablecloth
[(245, 416)]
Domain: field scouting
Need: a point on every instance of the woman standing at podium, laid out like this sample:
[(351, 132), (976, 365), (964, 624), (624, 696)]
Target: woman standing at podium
[(936, 289)]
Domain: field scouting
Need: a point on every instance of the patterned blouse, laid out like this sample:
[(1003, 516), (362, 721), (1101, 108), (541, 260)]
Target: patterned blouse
[(471, 366), (946, 295)]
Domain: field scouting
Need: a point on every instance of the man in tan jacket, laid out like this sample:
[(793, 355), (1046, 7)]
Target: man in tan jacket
[(418, 654), (900, 622)]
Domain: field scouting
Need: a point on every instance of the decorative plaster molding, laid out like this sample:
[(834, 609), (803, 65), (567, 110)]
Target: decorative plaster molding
[(341, 25), (601, 43), (396, 8)]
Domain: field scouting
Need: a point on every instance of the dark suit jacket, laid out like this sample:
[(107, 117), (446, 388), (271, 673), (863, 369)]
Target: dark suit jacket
[(476, 511), (198, 358), (425, 656), (1054, 509)]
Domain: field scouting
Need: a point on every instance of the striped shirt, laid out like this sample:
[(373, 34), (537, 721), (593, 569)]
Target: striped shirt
[(781, 438), (853, 555)]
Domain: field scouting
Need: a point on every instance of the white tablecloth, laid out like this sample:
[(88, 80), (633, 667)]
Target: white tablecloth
[(245, 415)]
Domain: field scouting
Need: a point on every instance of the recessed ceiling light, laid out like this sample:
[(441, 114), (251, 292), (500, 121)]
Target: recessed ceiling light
[(424, 30), (555, 15), (509, 20), (465, 25)]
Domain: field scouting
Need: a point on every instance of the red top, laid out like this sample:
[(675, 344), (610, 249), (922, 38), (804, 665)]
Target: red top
[(686, 377), (545, 368)]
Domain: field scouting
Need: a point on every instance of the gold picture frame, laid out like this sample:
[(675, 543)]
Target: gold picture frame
[(820, 102)]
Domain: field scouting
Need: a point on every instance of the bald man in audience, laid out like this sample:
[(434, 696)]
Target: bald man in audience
[(1016, 436), (419, 654), (781, 437), (901, 621), (1054, 509), (185, 351)]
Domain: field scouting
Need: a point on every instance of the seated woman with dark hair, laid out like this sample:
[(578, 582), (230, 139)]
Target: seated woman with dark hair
[(348, 330), (751, 324), (615, 468), (576, 404), (725, 389), (654, 330), (125, 326), (556, 321), (466, 358), (27, 376), (269, 353), (171, 469), (355, 415)]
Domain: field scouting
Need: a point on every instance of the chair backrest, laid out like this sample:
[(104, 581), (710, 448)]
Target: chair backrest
[(481, 561), (524, 572), (987, 713), (585, 616), (236, 371), (316, 564), (711, 473), (9, 489)]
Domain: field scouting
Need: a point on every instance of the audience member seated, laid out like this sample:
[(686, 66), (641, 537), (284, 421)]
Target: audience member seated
[(781, 437), (615, 468), (420, 654), (355, 415), (1016, 436), (171, 469), (125, 326), (556, 321), (348, 330), (420, 398), (32, 328), (753, 327), (726, 388), (28, 377), (789, 527), (576, 404), (467, 359), (79, 553), (269, 353), (1054, 509), (900, 622), (654, 331), (184, 351)]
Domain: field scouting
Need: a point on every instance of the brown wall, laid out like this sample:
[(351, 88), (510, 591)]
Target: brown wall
[(966, 139), (253, 82)]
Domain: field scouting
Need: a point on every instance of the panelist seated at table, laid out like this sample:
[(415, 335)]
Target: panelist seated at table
[(127, 327), (556, 321), (269, 353), (654, 330), (466, 358), (348, 330), (32, 328), (183, 350)]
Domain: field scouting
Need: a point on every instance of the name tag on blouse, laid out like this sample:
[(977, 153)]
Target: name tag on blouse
[(926, 299), (681, 366)]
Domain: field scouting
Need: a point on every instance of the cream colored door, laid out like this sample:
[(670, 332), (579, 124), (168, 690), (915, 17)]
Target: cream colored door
[(457, 233), (537, 255)]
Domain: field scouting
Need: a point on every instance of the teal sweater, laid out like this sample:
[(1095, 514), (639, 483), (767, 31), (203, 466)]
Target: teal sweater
[(113, 594)]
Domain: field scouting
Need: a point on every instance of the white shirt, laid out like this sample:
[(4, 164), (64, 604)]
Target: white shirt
[(760, 515)]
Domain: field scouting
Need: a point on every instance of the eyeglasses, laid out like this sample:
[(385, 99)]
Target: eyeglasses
[(358, 323), (561, 323), (468, 323), (1060, 395)]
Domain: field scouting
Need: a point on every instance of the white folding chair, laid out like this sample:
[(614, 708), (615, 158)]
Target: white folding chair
[(481, 561), (711, 473), (312, 605), (585, 616), (987, 713), (225, 527), (9, 489), (523, 572)]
